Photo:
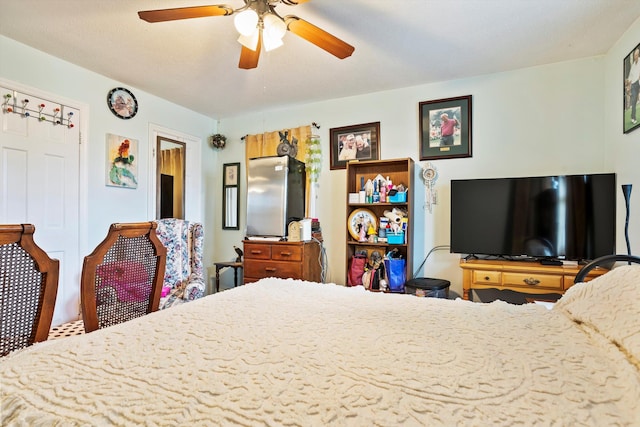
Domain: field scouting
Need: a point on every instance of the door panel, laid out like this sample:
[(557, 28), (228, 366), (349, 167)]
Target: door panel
[(40, 184)]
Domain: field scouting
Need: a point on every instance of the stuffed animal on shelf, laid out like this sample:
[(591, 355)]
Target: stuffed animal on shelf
[(395, 219)]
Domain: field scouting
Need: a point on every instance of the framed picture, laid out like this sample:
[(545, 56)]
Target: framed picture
[(630, 90), (445, 128), (358, 142), (230, 196), (122, 161)]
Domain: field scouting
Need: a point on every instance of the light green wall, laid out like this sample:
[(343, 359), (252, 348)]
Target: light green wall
[(105, 205), (622, 152), (542, 120), (557, 118)]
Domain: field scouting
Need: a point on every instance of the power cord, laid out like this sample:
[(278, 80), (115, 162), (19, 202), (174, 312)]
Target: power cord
[(322, 260), (435, 248)]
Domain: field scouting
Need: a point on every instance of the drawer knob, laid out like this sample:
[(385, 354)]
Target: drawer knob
[(487, 278), (270, 269), (531, 281), (255, 252), (285, 253)]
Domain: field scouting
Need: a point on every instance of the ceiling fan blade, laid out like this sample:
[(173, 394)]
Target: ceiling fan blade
[(319, 37), (294, 2), (162, 15), (249, 58)]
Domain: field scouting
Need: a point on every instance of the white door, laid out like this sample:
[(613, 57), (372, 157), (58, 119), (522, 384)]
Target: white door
[(39, 180)]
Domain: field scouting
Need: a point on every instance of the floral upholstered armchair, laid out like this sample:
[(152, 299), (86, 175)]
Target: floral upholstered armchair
[(184, 273)]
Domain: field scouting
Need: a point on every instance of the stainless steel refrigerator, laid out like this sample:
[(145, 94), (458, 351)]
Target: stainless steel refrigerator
[(275, 195)]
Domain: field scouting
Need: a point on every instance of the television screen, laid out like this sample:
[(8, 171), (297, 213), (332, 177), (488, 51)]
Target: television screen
[(569, 217)]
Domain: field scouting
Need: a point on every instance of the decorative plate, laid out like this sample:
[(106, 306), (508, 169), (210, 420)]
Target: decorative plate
[(358, 218), (122, 103)]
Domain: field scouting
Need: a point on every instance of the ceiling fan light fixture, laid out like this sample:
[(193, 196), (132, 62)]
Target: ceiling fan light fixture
[(271, 43), (246, 22), (274, 27), (259, 25), (250, 41)]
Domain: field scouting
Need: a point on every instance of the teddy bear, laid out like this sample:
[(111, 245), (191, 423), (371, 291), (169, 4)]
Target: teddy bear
[(395, 218)]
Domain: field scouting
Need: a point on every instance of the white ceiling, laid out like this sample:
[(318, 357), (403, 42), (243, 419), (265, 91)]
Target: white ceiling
[(398, 43)]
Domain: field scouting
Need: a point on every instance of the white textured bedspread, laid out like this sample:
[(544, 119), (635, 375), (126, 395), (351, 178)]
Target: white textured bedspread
[(291, 353)]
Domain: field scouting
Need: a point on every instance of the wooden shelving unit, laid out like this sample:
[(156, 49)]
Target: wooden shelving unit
[(400, 171)]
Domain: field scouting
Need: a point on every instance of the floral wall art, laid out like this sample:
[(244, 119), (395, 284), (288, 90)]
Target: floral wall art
[(122, 163)]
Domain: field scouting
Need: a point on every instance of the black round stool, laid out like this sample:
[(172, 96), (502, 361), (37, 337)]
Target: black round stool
[(427, 287)]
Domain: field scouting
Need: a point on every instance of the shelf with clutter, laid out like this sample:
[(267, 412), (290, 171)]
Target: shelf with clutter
[(379, 216)]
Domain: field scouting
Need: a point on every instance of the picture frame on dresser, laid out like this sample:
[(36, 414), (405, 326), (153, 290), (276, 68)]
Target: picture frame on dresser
[(355, 142), (445, 128), (631, 90)]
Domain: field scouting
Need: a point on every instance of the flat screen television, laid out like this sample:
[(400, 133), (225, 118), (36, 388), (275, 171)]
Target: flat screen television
[(567, 217)]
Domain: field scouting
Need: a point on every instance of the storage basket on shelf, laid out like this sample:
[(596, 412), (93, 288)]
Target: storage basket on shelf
[(395, 238)]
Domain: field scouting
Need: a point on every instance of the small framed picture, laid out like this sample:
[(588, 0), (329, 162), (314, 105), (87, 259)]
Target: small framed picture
[(231, 196), (231, 174), (631, 89), (357, 142), (445, 128)]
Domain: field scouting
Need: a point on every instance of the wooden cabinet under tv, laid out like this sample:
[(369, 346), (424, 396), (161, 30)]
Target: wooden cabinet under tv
[(519, 276)]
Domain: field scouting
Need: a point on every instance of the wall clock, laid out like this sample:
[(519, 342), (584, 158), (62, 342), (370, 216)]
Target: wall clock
[(122, 103), (359, 219), (293, 234)]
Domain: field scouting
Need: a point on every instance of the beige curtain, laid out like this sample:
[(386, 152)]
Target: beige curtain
[(171, 162), (266, 144)]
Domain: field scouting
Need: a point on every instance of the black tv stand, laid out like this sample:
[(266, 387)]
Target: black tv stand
[(550, 261)]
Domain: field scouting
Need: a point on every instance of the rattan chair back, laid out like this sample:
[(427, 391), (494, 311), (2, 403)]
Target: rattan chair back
[(122, 277), (28, 288)]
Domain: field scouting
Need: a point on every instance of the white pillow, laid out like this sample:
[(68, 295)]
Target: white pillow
[(609, 304)]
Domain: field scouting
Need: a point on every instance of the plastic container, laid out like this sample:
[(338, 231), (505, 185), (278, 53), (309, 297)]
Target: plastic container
[(395, 238), (398, 197), (427, 287)]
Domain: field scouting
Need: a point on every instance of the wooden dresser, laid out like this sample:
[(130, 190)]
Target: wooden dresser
[(295, 260), (519, 276)]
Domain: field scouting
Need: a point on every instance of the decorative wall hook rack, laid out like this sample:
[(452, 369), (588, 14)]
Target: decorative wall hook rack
[(55, 115)]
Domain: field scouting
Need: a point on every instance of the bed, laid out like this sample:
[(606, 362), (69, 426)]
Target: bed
[(292, 353)]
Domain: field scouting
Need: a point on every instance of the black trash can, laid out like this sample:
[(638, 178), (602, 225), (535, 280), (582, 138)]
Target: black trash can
[(427, 287)]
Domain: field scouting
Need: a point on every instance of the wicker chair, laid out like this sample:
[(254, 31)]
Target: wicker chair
[(122, 277), (28, 287)]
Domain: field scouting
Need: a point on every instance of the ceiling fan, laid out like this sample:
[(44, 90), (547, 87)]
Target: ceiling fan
[(259, 25)]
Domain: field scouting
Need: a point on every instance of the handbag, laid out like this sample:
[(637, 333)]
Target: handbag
[(356, 270), (396, 273)]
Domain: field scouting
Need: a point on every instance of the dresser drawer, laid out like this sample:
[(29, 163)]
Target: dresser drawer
[(487, 277), (286, 253), (533, 280), (273, 269), (257, 251), (519, 276)]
